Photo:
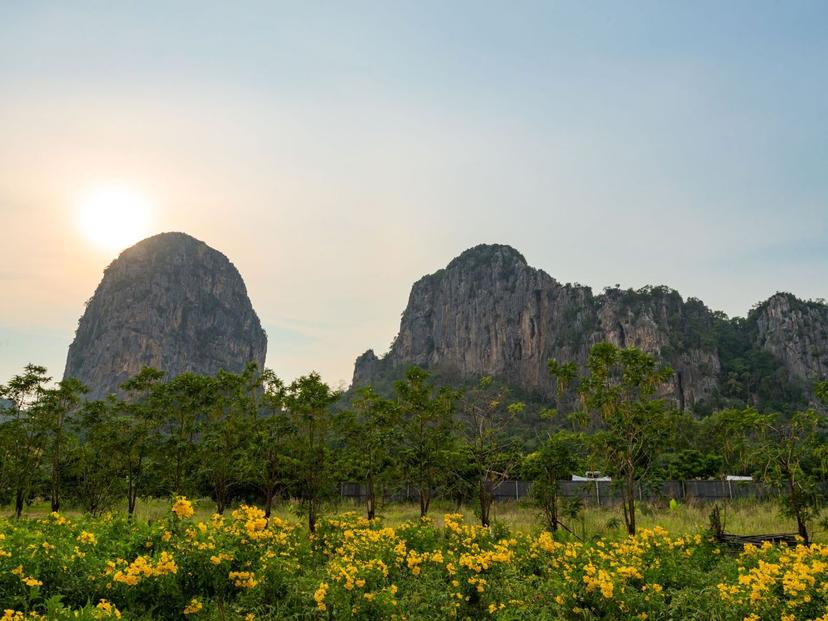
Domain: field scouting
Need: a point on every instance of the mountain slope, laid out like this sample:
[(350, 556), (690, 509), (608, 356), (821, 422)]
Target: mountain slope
[(171, 302), (490, 313)]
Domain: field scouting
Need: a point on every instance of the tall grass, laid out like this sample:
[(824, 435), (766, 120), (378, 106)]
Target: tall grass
[(739, 516)]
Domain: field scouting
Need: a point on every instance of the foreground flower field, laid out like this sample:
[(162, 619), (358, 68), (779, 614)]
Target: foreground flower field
[(242, 566)]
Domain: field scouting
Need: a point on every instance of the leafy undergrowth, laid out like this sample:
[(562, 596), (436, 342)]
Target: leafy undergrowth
[(243, 566)]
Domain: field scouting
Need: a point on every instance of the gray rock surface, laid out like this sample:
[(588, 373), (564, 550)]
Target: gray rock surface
[(170, 302), (796, 332), (490, 313)]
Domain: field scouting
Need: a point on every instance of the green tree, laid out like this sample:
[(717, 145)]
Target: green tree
[(783, 453), (226, 433), (556, 459), (57, 404), (24, 431), (732, 434), (181, 404), (271, 460), (689, 464), (134, 432), (428, 433), (620, 392), (308, 401), (489, 447), (566, 384), (98, 476), (371, 435)]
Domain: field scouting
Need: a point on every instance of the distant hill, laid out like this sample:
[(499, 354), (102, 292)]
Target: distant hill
[(170, 302), (490, 313)]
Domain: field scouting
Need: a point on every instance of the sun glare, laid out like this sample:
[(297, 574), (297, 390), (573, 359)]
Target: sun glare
[(114, 217)]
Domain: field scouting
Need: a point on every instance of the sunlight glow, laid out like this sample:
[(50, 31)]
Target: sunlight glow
[(114, 217)]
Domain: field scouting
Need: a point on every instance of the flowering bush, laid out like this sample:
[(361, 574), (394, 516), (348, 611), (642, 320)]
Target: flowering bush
[(244, 566)]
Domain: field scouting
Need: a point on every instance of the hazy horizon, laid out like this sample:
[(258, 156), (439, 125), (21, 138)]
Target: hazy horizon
[(337, 154)]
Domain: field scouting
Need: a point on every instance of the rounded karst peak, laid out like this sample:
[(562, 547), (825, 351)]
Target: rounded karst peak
[(170, 302), (487, 254)]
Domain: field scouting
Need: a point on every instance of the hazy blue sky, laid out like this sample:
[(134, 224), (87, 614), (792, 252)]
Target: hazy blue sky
[(338, 151)]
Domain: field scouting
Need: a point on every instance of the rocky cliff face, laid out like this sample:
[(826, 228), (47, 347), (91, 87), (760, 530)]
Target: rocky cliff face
[(169, 302), (796, 332), (658, 321), (490, 313)]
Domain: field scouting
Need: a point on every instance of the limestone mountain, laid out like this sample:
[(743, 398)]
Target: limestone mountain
[(170, 302), (490, 313)]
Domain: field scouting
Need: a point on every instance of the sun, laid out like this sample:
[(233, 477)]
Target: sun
[(113, 217)]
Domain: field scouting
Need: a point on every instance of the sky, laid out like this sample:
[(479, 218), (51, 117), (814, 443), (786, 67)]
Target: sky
[(336, 152)]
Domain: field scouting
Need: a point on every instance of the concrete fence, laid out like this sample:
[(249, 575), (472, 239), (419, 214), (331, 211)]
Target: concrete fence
[(599, 492)]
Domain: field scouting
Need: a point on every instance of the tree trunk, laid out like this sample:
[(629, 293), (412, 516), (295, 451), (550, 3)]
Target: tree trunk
[(55, 496), (372, 499), (269, 494), (132, 497), (55, 499), (553, 514), (221, 501), (56, 467), (18, 503), (311, 517), (132, 487), (803, 529), (425, 500), (485, 502), (796, 505), (630, 505)]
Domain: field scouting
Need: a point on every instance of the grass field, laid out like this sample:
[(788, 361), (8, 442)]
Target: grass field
[(741, 517)]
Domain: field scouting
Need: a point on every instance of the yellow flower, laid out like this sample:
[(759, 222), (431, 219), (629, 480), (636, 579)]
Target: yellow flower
[(243, 579), (193, 607), (165, 565), (87, 537), (108, 609), (182, 507), (319, 596)]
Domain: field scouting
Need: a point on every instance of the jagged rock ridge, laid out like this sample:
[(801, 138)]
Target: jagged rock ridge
[(489, 312), (170, 302)]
